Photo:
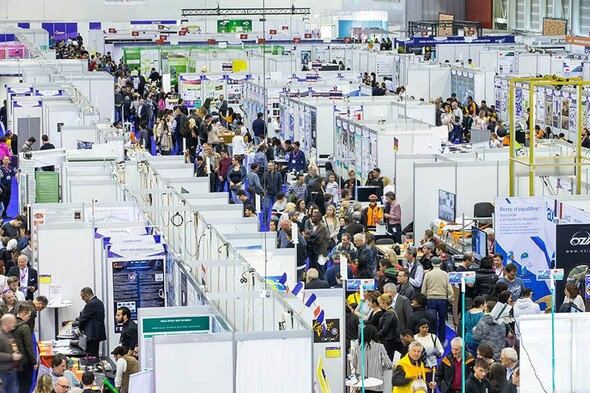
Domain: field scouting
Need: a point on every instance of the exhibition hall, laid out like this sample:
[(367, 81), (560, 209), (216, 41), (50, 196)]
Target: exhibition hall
[(328, 197)]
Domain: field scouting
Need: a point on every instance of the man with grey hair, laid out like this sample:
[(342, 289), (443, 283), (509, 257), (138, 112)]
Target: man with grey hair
[(401, 305), (448, 374), (509, 359), (414, 268), (28, 277), (365, 258), (355, 226), (439, 292), (8, 357)]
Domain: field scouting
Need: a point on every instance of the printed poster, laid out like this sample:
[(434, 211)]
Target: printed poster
[(358, 152), (525, 235), (565, 112), (138, 284)]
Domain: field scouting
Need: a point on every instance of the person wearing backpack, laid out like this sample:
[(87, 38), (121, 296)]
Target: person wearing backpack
[(485, 278)]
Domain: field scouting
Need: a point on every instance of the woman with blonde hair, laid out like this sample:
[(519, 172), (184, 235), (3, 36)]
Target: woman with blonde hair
[(387, 185), (289, 207), (44, 384), (333, 225)]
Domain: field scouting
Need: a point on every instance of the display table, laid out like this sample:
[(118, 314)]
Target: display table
[(56, 307), (48, 349), (369, 383)]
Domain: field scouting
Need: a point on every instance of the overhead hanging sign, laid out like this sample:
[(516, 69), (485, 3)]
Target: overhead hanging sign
[(430, 41), (234, 25)]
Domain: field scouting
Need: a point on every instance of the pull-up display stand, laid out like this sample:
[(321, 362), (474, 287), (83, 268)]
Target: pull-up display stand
[(462, 278), (552, 275)]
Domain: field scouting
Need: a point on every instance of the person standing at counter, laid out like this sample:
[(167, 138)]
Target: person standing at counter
[(128, 338), (92, 321)]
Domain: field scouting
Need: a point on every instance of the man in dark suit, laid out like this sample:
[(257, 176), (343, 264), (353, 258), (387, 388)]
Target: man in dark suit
[(27, 276), (92, 321), (128, 329)]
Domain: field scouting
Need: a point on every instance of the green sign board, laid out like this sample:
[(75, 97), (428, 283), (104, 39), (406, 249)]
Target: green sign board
[(155, 326), (234, 26)]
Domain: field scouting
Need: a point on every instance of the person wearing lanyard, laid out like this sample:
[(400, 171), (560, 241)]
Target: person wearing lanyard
[(8, 172), (296, 159), (27, 276), (393, 214)]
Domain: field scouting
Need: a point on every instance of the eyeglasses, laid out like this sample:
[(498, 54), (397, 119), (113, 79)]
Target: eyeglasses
[(67, 388)]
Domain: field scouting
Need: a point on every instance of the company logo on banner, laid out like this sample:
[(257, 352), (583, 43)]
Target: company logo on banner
[(525, 234), (573, 255), (125, 2)]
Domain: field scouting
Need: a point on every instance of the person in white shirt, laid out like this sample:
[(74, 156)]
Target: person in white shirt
[(239, 146), (333, 188), (276, 125), (127, 365), (457, 112), (430, 342)]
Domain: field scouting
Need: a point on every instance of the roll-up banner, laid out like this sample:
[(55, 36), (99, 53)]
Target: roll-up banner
[(573, 255), (525, 235)]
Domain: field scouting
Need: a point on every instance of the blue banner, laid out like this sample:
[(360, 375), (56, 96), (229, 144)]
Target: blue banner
[(431, 41)]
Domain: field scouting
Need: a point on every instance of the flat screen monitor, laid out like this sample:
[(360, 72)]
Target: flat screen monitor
[(479, 243), (446, 205), (363, 193)]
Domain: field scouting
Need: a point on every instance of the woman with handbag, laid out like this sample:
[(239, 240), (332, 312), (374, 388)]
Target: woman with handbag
[(433, 348), (388, 326), (376, 360)]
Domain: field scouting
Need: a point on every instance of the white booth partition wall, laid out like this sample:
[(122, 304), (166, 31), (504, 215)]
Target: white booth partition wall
[(331, 347), (456, 178), (238, 363), (257, 368), (536, 358), (74, 271), (428, 82), (98, 88), (404, 183), (56, 115)]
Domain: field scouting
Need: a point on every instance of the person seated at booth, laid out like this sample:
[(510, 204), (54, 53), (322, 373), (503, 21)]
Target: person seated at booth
[(59, 369)]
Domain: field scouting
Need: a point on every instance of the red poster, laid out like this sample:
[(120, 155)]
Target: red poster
[(296, 40), (135, 33), (112, 30), (243, 36), (273, 32), (307, 35)]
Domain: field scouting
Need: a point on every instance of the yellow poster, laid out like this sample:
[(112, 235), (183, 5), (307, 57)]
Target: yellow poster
[(322, 378), (240, 66)]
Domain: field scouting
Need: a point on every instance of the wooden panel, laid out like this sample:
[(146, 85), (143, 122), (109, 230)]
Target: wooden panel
[(479, 11)]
